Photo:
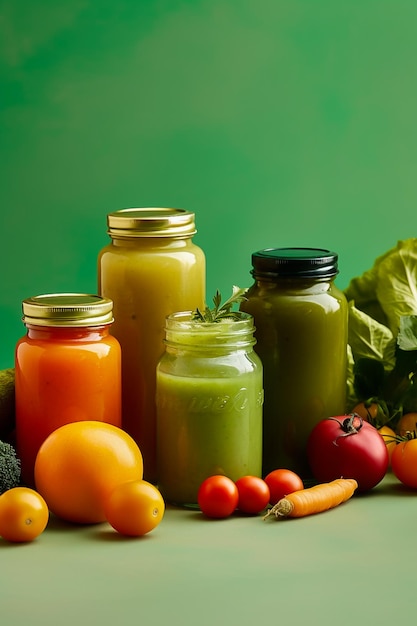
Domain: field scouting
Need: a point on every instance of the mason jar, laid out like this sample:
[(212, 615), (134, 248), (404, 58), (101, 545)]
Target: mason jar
[(209, 396), (67, 369), (150, 269), (301, 330)]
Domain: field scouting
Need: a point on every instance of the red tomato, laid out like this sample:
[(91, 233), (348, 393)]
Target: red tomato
[(404, 462), (347, 447), (218, 496), (281, 482), (253, 494)]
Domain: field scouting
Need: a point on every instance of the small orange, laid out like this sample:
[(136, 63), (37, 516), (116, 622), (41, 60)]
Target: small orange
[(134, 508), (80, 463)]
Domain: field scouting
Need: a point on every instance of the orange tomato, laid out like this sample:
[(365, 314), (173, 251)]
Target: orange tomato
[(404, 462), (79, 465), (407, 423), (134, 508), (367, 411), (24, 514)]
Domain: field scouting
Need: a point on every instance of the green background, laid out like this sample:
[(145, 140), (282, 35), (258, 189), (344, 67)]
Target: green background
[(279, 122)]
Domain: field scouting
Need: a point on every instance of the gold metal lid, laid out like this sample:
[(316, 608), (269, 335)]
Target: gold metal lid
[(151, 222), (67, 310)]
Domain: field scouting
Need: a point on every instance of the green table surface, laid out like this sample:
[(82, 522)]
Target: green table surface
[(355, 564)]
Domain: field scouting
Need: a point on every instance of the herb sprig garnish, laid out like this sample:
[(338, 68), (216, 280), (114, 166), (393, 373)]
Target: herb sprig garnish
[(221, 311)]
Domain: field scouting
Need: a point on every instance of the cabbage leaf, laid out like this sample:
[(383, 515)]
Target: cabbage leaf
[(383, 318), (388, 290)]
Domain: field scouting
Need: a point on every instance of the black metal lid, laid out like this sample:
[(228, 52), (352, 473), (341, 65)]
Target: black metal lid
[(295, 262)]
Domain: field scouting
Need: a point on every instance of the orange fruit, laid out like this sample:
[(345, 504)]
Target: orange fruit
[(79, 465)]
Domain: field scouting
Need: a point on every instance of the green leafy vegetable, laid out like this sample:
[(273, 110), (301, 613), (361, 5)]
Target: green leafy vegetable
[(368, 338), (383, 330), (407, 336), (221, 311), (389, 289)]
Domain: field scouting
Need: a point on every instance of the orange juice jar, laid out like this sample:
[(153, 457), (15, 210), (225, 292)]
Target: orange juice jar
[(67, 369), (151, 269)]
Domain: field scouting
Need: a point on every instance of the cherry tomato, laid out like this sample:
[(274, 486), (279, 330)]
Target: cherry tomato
[(367, 410), (282, 482), (134, 508), (388, 435), (23, 514), (349, 447), (218, 496), (407, 423), (253, 494), (404, 462)]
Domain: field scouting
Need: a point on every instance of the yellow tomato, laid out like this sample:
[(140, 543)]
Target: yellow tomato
[(24, 514), (388, 436), (134, 508)]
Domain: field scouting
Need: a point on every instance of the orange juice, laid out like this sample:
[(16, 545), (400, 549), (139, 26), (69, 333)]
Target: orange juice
[(150, 269), (67, 369)]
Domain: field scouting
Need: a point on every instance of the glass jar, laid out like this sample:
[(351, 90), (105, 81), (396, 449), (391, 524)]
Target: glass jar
[(150, 269), (301, 330), (67, 369), (209, 404)]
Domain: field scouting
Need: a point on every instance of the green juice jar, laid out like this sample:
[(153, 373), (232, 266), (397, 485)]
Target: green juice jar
[(301, 331), (209, 398)]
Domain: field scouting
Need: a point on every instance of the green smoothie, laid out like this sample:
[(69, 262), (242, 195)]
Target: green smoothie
[(209, 411), (301, 330)]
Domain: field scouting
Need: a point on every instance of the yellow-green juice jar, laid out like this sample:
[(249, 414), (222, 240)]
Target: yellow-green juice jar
[(209, 395), (301, 330), (151, 268)]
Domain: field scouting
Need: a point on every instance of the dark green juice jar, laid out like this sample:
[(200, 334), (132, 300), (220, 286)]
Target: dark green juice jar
[(301, 331)]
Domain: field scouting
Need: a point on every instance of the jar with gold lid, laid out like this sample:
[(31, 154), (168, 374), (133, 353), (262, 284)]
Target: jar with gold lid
[(67, 369), (150, 269)]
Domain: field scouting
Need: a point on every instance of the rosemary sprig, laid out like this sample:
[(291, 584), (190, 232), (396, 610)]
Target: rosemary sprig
[(221, 311)]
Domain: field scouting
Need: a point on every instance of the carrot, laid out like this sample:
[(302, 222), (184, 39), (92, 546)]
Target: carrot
[(315, 499)]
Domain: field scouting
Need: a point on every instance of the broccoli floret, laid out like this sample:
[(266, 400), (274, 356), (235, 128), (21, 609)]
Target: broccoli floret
[(9, 467)]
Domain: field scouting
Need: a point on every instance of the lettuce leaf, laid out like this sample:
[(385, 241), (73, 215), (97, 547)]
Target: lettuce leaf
[(388, 290), (368, 338), (407, 336), (383, 316)]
